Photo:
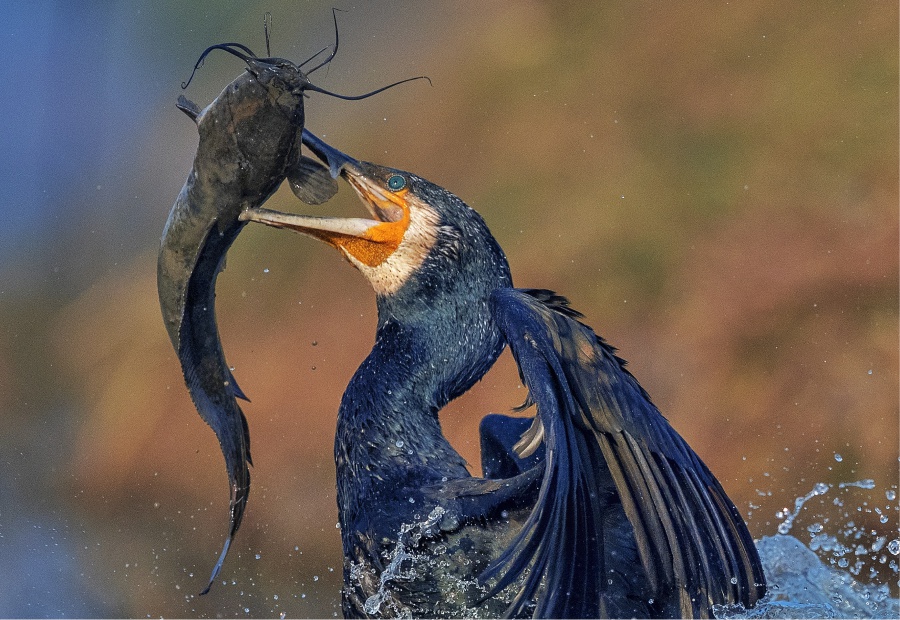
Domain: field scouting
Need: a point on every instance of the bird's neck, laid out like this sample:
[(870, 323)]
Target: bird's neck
[(389, 441), (436, 337)]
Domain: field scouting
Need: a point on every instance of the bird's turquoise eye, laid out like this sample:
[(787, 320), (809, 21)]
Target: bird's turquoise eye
[(396, 183)]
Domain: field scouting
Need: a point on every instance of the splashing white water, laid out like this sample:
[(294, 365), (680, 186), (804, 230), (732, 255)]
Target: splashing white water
[(802, 585), (401, 554), (844, 570)]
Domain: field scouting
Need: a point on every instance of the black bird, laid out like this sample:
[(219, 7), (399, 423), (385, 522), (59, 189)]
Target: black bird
[(595, 507)]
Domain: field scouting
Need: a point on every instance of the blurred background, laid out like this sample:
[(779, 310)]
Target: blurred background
[(714, 185)]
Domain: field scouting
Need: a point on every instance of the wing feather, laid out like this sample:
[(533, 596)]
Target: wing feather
[(693, 544)]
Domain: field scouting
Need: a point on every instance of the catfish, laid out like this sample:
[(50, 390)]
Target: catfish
[(250, 142)]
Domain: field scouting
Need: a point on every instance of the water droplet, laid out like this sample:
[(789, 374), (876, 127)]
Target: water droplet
[(838, 457), (868, 483), (412, 501), (883, 519), (315, 577), (266, 270), (246, 610), (258, 556), (894, 547), (870, 371), (890, 494), (275, 597), (734, 580), (504, 514), (399, 443)]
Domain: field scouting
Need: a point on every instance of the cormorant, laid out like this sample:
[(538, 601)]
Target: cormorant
[(595, 507)]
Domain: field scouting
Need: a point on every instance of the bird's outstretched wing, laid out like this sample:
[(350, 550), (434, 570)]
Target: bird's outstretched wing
[(693, 544)]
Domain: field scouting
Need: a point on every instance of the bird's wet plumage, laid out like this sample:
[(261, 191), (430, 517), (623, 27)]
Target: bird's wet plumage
[(597, 508)]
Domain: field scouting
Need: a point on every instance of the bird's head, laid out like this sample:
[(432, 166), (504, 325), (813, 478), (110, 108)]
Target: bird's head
[(421, 242)]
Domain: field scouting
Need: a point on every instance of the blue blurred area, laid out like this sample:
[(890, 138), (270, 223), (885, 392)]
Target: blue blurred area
[(77, 95), (22, 136)]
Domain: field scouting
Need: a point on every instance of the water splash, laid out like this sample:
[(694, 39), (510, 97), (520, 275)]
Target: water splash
[(821, 580), (400, 563), (789, 517), (822, 576), (868, 483), (859, 543), (394, 572), (801, 586)]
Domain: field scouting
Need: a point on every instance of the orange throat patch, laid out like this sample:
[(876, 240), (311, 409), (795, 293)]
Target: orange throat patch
[(376, 245)]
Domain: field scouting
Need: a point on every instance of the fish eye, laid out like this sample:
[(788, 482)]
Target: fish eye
[(396, 183)]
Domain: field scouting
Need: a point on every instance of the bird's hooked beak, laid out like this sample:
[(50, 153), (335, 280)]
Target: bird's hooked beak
[(335, 159), (368, 241)]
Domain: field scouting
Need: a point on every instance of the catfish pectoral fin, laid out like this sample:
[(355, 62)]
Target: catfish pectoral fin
[(188, 107), (311, 182)]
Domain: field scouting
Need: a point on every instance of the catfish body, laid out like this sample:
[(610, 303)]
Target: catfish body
[(250, 138)]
